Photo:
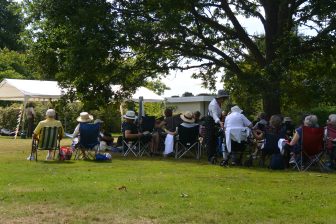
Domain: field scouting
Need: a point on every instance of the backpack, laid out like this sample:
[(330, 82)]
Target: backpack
[(65, 153), (277, 162)]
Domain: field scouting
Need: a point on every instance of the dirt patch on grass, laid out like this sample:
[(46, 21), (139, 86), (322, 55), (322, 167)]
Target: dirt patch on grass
[(47, 213)]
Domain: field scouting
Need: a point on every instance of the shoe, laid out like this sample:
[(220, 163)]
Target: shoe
[(224, 163), (212, 160), (31, 157), (292, 160)]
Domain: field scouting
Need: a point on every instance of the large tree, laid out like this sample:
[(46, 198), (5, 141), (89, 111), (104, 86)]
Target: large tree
[(11, 25), (213, 35), (80, 44)]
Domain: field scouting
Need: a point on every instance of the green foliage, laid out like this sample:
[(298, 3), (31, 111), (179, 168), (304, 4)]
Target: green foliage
[(80, 44), (11, 25), (9, 116), (157, 86), (14, 65), (207, 35)]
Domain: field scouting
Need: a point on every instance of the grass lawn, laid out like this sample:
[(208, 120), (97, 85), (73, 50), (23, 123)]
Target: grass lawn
[(156, 190)]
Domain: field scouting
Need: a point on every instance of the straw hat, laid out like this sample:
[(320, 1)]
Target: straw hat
[(187, 117), (84, 117)]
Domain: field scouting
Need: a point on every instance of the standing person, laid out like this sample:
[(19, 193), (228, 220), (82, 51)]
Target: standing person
[(213, 122), (30, 114)]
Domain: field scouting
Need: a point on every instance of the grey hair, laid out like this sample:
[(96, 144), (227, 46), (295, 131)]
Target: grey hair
[(332, 119), (311, 121)]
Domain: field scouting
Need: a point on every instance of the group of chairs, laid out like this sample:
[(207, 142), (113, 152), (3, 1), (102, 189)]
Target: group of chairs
[(316, 143), (186, 142), (87, 147), (318, 149)]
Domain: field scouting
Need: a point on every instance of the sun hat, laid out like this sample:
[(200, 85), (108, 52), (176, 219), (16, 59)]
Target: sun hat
[(130, 115), (98, 121), (50, 113), (187, 117), (222, 94), (85, 117), (287, 119), (236, 109)]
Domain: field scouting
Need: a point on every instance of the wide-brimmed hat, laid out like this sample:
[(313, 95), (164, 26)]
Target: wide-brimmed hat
[(222, 94), (130, 115), (85, 117), (236, 109), (287, 119), (98, 121), (187, 117)]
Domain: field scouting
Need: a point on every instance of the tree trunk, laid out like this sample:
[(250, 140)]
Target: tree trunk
[(271, 102)]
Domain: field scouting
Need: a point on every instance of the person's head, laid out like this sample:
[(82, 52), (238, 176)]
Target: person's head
[(332, 120), (275, 121), (51, 113), (130, 116), (310, 121), (262, 116), (222, 95), (168, 112), (236, 109), (197, 115), (85, 117), (187, 117)]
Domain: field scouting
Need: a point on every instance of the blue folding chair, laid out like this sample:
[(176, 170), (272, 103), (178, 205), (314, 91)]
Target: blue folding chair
[(88, 145)]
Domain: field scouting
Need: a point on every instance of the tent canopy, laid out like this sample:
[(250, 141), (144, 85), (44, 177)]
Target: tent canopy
[(23, 90)]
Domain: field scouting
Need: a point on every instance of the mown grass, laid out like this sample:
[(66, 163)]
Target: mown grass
[(156, 190)]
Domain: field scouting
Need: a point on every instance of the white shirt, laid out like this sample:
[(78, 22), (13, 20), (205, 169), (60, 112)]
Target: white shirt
[(235, 128), (214, 110), (236, 120)]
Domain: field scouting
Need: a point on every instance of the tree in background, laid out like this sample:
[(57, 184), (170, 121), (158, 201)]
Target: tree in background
[(11, 25), (80, 44), (210, 35)]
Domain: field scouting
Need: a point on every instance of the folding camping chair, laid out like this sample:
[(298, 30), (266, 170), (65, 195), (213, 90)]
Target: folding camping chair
[(88, 145), (49, 139), (146, 126), (330, 140), (188, 141), (312, 149)]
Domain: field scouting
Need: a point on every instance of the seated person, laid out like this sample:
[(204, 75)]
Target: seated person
[(237, 129), (169, 125), (105, 138), (262, 122), (330, 138), (287, 128), (84, 117), (48, 122), (272, 133), (130, 130), (309, 121)]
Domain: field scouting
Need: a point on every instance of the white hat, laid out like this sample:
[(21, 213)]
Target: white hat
[(85, 117), (98, 121), (187, 117), (130, 115), (50, 113), (236, 109)]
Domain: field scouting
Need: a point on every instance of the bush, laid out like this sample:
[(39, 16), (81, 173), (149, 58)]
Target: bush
[(9, 116)]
